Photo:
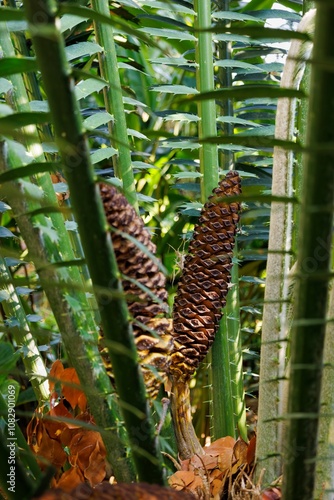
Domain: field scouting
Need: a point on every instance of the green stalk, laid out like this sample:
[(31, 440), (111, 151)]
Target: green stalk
[(222, 401), (73, 147), (313, 266), (225, 80), (113, 100), (231, 324), (206, 108), (208, 153), (31, 357), (232, 313), (77, 335)]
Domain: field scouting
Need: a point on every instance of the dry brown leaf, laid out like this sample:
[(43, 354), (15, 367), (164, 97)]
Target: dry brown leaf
[(73, 395), (48, 448), (240, 452), (54, 426), (96, 470), (70, 479), (69, 379), (251, 450), (219, 446), (185, 464), (181, 479), (208, 462), (56, 371), (196, 485), (216, 487), (87, 452)]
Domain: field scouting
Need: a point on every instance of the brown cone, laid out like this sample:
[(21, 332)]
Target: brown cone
[(144, 283), (204, 283), (106, 491)]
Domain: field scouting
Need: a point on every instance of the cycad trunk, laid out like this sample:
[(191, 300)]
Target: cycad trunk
[(312, 277)]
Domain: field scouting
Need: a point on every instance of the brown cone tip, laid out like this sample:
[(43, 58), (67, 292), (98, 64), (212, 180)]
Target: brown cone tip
[(144, 284), (203, 286)]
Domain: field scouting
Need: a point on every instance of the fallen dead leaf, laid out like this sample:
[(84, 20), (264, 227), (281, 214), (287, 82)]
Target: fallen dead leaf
[(181, 479), (70, 479), (251, 450)]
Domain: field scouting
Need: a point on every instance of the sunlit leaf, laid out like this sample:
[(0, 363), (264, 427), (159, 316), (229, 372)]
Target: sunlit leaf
[(60, 187), (171, 6), (233, 63), (5, 85), (23, 290), (77, 50), (3, 206), (134, 102), (4, 295), (97, 119), (256, 281), (237, 121), (69, 21), (71, 225), (17, 26), (102, 154), (136, 133), (5, 110), (145, 198), (186, 144), (234, 16), (175, 89), (40, 106), (142, 165), (169, 34), (182, 117), (175, 61), (6, 233), (87, 87), (47, 230), (188, 175)]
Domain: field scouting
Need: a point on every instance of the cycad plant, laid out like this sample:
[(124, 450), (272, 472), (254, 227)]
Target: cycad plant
[(164, 101)]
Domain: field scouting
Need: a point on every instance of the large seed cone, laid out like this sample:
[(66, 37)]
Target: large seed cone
[(204, 283), (144, 283)]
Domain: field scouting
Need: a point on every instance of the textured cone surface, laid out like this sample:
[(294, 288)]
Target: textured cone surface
[(206, 275), (106, 491), (144, 284)]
